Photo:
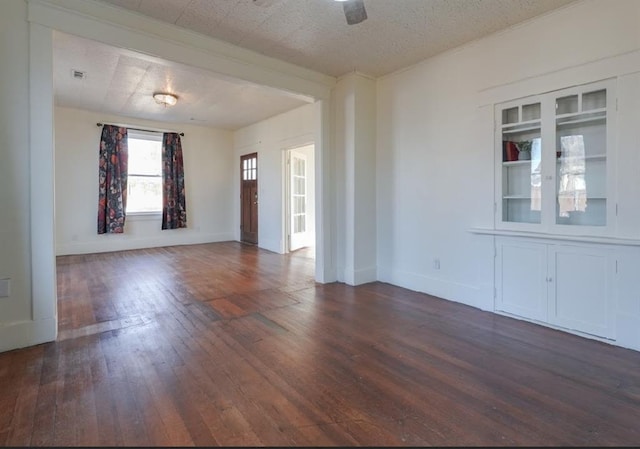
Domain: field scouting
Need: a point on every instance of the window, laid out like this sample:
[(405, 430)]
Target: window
[(250, 169), (144, 185)]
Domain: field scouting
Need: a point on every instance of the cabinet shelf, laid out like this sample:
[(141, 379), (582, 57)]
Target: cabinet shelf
[(577, 119), (511, 129), (593, 157), (516, 163), (588, 156), (529, 197)]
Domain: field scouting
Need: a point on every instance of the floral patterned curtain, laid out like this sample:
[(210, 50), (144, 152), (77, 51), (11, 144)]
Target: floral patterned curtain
[(112, 176), (174, 208)]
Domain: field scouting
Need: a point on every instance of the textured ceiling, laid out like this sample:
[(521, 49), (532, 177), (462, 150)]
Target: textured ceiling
[(122, 82), (314, 33), (309, 33)]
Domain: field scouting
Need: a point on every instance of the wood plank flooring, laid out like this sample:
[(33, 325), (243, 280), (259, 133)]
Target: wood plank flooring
[(226, 344)]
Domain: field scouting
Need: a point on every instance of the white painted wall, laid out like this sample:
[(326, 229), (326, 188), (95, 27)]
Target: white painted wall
[(15, 258), (435, 162), (363, 177), (28, 313), (354, 105), (208, 165), (270, 138)]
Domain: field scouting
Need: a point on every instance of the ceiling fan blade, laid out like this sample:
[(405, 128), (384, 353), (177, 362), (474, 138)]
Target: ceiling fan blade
[(354, 11)]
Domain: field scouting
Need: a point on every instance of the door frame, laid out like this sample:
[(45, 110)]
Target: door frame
[(94, 23)]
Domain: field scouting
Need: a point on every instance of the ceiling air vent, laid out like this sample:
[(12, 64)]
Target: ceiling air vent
[(78, 74)]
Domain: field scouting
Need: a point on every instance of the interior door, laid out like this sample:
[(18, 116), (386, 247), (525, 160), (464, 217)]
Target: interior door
[(249, 198), (298, 225)]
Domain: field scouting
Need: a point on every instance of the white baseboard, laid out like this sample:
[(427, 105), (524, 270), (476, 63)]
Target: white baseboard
[(27, 333), (116, 242), (453, 291), (360, 276)]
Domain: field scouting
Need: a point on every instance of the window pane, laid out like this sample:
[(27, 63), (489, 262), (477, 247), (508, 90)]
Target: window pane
[(144, 194), (145, 157)]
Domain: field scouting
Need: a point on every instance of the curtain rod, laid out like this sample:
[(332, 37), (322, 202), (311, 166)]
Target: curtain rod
[(139, 129)]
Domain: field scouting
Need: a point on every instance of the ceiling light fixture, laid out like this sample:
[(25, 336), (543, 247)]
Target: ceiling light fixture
[(165, 99)]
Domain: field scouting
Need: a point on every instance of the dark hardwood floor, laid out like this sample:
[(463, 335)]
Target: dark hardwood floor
[(226, 344)]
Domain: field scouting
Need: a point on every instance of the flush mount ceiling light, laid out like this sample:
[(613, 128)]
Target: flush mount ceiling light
[(165, 99)]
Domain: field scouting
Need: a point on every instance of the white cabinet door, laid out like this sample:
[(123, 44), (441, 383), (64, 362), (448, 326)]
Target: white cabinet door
[(581, 293), (521, 272)]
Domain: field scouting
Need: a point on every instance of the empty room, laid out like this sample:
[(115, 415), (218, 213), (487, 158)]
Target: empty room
[(319, 223)]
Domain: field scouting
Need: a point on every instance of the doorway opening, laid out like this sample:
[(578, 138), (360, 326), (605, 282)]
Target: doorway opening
[(41, 147), (249, 198), (300, 199)]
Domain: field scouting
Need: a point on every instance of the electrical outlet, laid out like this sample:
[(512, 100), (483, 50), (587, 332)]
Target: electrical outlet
[(5, 288), (436, 263)]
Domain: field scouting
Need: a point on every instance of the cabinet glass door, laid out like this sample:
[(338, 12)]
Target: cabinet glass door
[(581, 159), (521, 164)]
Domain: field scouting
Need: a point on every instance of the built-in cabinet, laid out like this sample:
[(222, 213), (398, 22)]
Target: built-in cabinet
[(555, 195), (556, 160), (563, 284)]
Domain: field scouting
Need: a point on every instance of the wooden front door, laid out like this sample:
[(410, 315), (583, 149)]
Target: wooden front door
[(249, 198)]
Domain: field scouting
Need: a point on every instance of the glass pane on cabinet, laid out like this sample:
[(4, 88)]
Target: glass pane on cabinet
[(521, 164), (531, 112), (522, 183), (581, 152), (510, 115), (567, 105), (594, 100)]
